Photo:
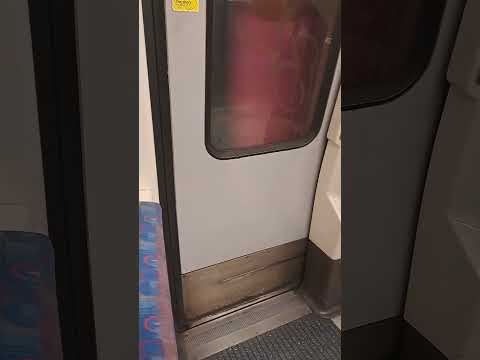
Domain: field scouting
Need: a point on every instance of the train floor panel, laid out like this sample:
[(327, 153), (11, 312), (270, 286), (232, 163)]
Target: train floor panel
[(282, 327)]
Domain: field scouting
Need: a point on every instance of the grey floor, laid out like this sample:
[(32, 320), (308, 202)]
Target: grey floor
[(308, 338)]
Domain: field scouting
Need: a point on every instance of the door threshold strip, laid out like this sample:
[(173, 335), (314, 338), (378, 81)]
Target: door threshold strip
[(217, 335)]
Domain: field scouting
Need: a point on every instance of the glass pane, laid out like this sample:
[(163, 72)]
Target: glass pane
[(388, 45), (267, 64)]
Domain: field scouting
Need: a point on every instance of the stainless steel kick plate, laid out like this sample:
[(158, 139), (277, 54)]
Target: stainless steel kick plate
[(239, 281)]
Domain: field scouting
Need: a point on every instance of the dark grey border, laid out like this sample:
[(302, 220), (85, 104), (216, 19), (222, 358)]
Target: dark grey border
[(107, 47), (54, 38), (283, 146)]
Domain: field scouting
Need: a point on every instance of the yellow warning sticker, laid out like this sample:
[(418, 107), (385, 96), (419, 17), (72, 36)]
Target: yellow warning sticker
[(185, 5)]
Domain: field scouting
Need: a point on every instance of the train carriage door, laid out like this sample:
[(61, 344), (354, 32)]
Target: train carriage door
[(252, 85)]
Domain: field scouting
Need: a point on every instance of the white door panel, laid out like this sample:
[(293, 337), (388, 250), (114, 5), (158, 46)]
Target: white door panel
[(229, 208)]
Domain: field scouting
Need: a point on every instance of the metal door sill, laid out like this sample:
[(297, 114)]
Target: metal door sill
[(243, 324)]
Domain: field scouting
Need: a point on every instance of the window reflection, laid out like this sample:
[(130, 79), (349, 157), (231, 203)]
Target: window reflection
[(267, 63)]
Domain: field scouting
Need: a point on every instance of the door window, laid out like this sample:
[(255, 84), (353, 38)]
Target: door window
[(269, 69)]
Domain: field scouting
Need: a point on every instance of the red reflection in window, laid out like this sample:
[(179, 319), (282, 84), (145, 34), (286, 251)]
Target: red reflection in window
[(275, 55)]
